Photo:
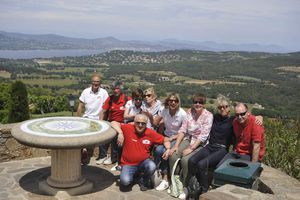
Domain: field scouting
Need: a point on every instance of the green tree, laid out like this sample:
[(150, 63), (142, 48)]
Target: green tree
[(18, 105)]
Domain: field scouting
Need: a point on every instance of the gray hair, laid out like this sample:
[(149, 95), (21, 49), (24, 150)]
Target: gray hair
[(221, 99), (141, 116), (117, 84)]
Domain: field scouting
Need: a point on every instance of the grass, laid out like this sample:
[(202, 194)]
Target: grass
[(290, 69), (56, 114), (49, 82), (4, 74), (47, 62)]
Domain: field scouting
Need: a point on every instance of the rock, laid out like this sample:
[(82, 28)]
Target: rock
[(231, 192)]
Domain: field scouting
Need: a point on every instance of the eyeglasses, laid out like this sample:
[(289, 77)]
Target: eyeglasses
[(95, 81), (138, 99), (240, 114), (173, 100), (198, 102), (223, 107), (140, 123), (148, 95)]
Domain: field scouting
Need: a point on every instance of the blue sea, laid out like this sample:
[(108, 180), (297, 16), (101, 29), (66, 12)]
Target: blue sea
[(29, 54)]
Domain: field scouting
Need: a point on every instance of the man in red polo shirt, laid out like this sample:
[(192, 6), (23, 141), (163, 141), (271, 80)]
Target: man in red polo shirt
[(112, 110), (137, 141), (250, 137)]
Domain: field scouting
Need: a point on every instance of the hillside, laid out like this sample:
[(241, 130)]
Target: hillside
[(19, 41), (268, 81)]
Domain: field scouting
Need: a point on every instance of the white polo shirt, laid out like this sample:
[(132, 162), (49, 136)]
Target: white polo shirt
[(172, 124), (93, 102), (132, 109)]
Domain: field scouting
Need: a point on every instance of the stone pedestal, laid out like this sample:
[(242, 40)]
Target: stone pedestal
[(65, 168), (66, 174)]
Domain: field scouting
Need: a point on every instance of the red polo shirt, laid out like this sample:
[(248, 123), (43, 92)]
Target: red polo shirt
[(246, 135), (117, 108), (136, 148)]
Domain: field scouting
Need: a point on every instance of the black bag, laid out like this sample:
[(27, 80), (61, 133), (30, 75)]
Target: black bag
[(194, 188)]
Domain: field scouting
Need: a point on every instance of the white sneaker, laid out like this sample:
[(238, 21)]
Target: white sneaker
[(182, 196), (162, 186), (107, 161), (114, 168), (101, 161)]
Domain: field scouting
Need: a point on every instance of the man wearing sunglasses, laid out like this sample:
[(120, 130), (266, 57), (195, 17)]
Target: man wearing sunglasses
[(249, 135), (137, 141)]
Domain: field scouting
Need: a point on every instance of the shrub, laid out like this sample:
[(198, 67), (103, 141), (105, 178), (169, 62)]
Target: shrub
[(18, 106), (282, 145)]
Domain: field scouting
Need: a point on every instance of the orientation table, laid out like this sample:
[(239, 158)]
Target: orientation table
[(65, 136)]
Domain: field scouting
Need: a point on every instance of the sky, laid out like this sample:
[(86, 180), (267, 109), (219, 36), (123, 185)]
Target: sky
[(223, 21)]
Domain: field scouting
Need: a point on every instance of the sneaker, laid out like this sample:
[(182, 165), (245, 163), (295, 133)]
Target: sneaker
[(162, 186), (117, 167), (101, 161), (107, 161), (182, 196)]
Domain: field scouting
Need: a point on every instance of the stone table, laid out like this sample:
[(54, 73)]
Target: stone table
[(65, 136)]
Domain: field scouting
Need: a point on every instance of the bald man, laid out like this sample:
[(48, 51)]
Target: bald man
[(137, 141)]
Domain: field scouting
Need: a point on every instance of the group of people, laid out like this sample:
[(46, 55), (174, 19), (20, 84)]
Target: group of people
[(151, 134)]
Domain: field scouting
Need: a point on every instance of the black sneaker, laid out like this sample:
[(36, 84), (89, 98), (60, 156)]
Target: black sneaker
[(143, 187)]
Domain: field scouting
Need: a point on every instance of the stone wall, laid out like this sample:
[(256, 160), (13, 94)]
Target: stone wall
[(10, 149)]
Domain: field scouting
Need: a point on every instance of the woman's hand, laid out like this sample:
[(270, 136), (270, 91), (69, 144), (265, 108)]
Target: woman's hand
[(120, 139), (173, 150), (187, 151), (259, 120), (165, 156)]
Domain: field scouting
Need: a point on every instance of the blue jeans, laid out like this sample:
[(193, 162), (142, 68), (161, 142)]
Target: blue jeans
[(147, 167), (159, 151)]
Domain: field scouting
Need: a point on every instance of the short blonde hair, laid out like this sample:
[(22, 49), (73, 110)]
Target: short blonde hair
[(221, 100), (166, 103), (152, 91)]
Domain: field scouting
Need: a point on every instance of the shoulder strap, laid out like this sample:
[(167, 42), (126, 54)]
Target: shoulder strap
[(110, 100)]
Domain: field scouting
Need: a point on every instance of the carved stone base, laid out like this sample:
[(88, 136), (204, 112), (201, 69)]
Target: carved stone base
[(86, 187)]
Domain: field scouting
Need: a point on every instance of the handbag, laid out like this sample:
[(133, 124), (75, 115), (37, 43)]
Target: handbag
[(156, 178), (176, 185)]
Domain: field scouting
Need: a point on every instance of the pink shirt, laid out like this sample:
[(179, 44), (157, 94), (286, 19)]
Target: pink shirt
[(197, 129)]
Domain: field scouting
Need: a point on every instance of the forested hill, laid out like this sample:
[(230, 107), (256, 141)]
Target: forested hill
[(20, 41), (270, 82)]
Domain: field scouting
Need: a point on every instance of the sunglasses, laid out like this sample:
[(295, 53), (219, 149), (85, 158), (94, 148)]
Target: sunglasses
[(240, 114), (198, 102), (173, 100), (148, 95), (138, 99), (223, 107), (140, 123)]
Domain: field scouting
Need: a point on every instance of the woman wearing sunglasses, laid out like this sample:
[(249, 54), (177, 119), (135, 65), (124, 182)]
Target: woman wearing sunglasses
[(170, 119), (151, 106), (192, 135), (133, 107)]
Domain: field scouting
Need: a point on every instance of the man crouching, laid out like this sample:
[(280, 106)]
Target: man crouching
[(137, 141)]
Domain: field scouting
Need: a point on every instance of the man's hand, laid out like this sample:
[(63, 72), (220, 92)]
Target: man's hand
[(120, 139), (187, 151)]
